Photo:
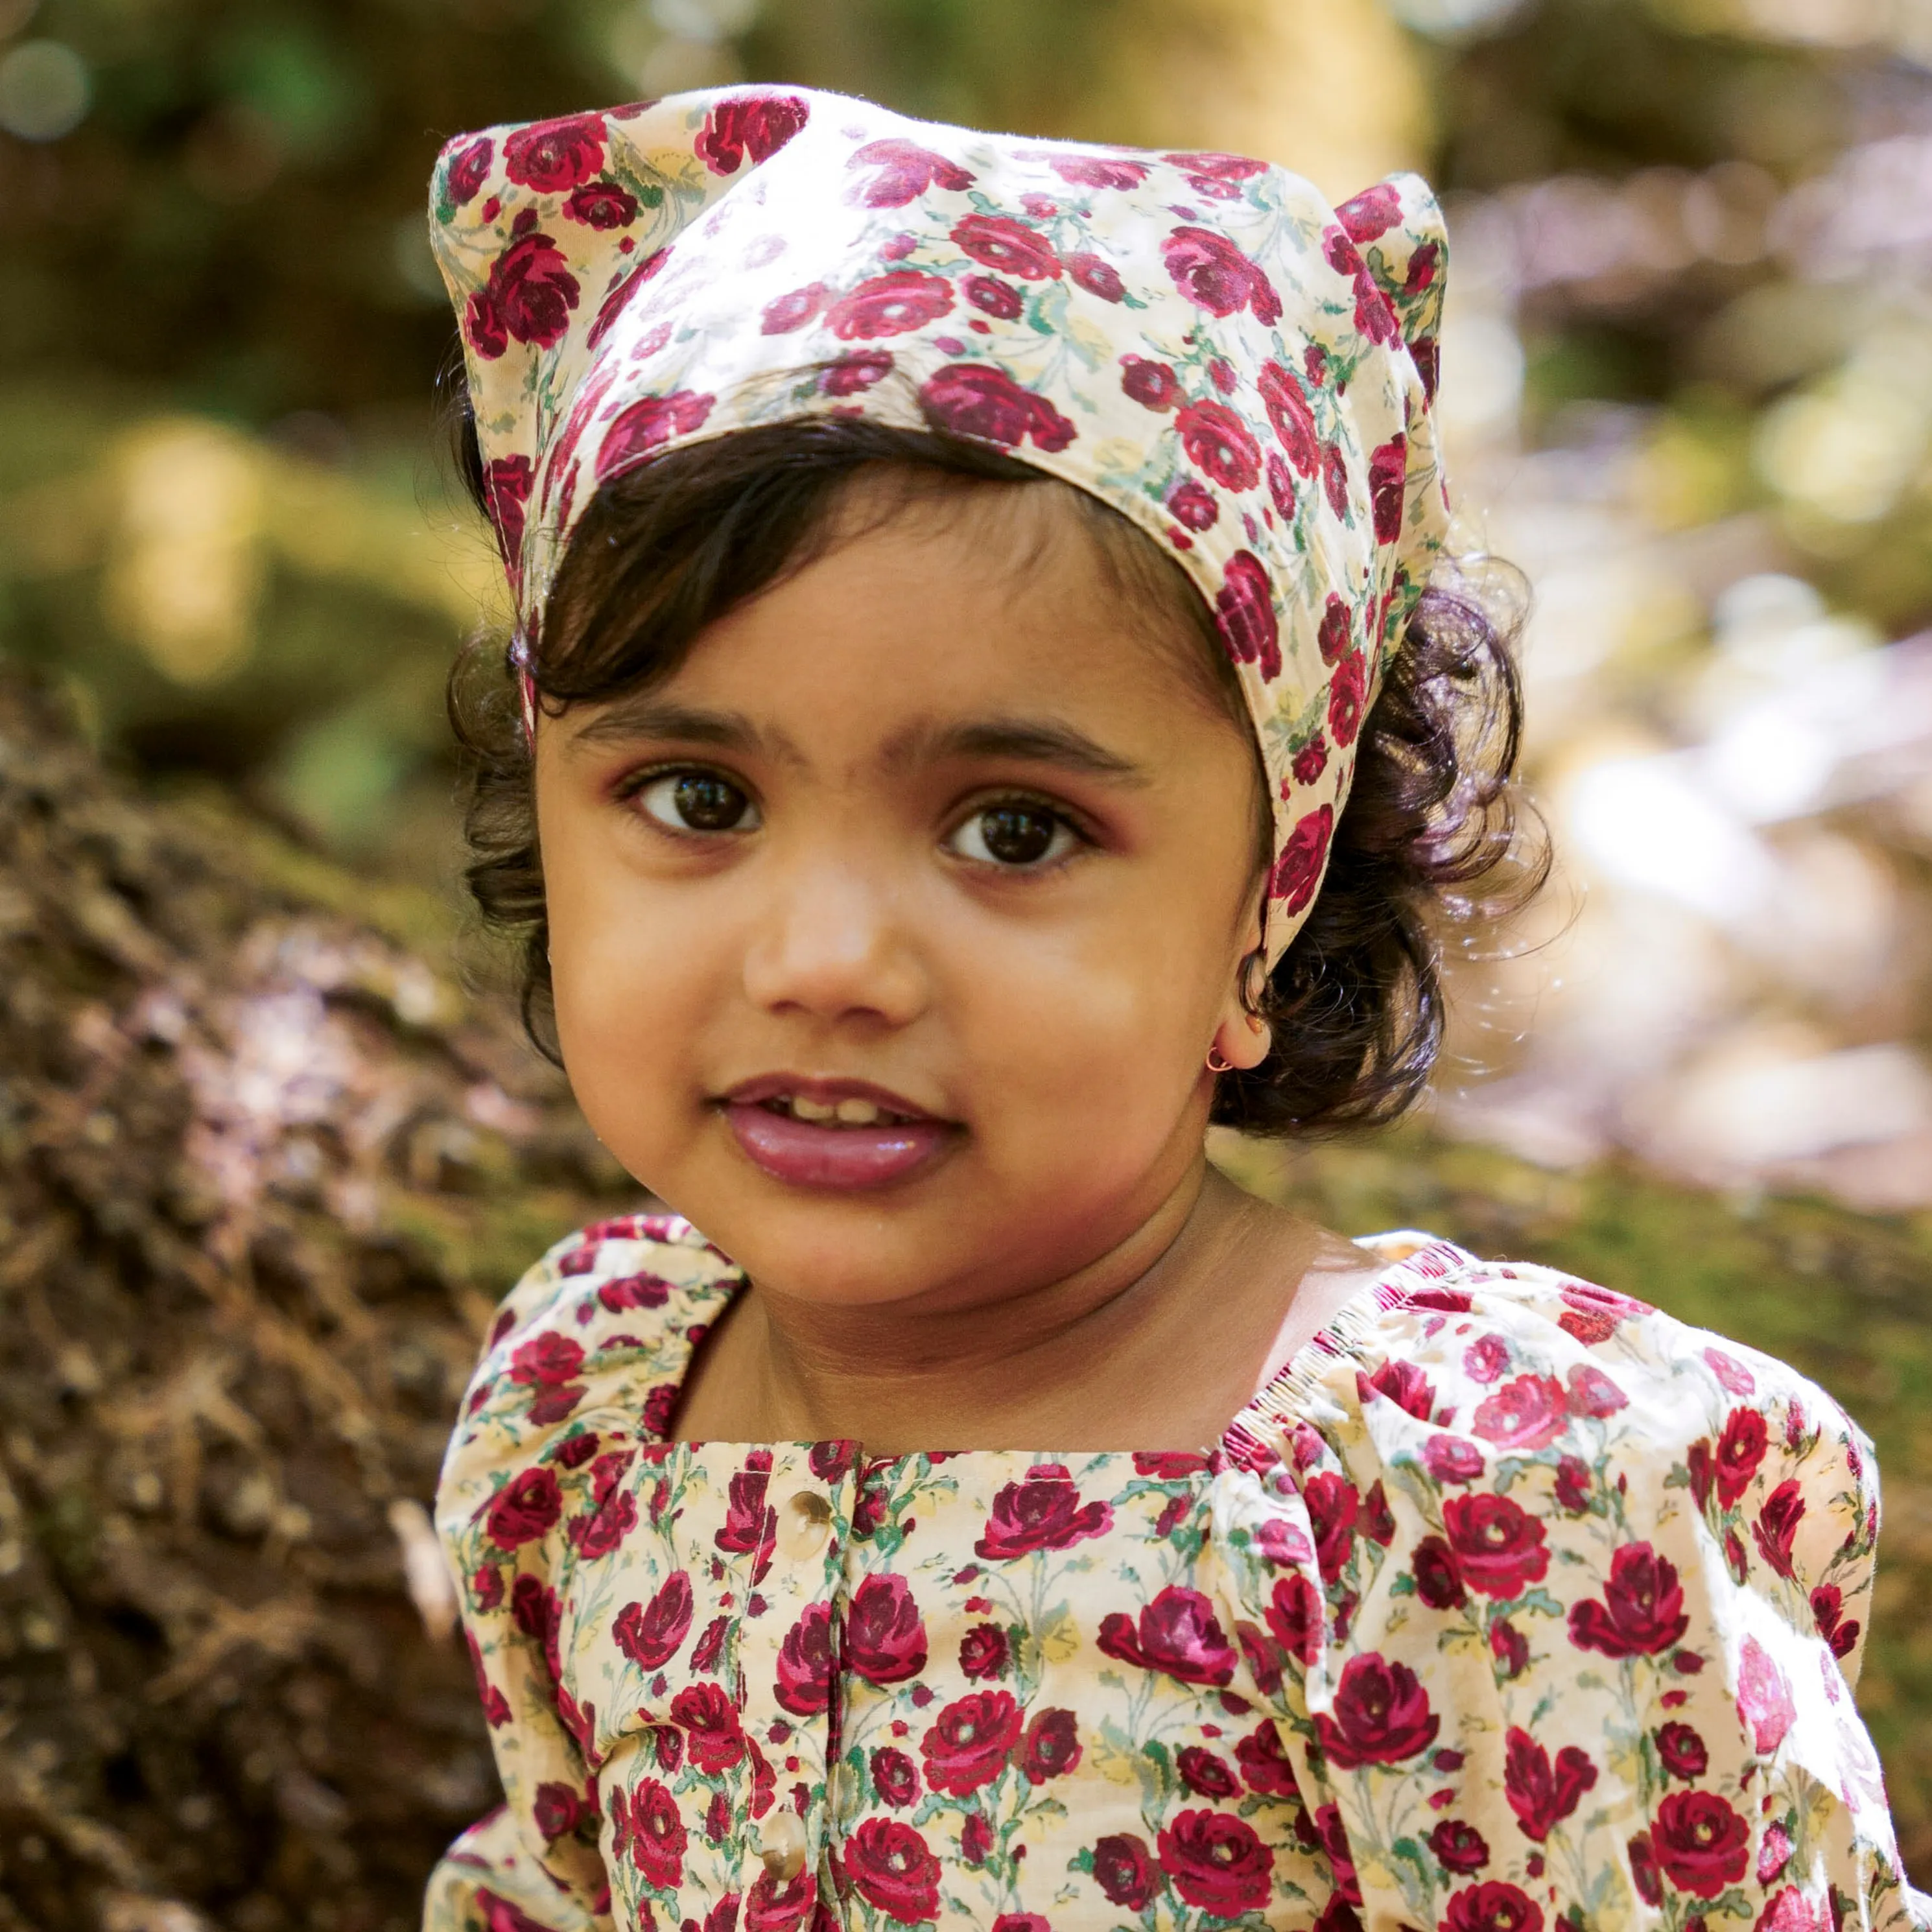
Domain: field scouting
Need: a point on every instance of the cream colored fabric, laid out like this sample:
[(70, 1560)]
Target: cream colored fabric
[(1513, 1605)]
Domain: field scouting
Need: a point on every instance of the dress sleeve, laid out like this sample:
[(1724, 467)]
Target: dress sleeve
[(487, 1882), (1558, 1605), (582, 1365)]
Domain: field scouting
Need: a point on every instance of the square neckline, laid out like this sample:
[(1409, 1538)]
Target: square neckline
[(1246, 1432)]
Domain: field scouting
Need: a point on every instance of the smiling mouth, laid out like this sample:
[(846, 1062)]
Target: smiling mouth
[(833, 1134)]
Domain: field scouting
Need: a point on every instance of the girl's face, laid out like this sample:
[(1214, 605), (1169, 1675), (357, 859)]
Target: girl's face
[(889, 935)]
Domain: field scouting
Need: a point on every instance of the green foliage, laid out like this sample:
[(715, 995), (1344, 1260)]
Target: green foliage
[(230, 222)]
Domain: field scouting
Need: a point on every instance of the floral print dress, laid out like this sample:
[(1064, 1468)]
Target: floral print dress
[(1511, 1605)]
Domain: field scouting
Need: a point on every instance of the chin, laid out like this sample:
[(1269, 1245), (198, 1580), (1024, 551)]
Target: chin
[(845, 1252), (906, 1244)]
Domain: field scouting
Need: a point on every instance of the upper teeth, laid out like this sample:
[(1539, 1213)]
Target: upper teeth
[(852, 1113)]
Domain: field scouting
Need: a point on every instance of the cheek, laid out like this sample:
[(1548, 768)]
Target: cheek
[(1094, 1031), (629, 980)]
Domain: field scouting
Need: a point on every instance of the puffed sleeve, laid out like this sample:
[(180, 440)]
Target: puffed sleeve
[(582, 1366), (487, 1882), (1557, 1604)]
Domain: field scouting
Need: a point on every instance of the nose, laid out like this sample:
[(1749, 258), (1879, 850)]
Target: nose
[(835, 945)]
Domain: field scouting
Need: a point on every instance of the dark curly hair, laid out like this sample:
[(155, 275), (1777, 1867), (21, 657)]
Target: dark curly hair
[(1431, 839)]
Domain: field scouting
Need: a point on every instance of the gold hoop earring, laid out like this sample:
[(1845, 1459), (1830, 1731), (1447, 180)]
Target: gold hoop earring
[(1216, 1064)]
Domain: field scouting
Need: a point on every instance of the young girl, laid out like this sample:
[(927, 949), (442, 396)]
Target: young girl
[(972, 593)]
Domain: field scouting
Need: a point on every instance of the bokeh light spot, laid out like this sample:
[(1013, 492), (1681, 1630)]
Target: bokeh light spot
[(45, 90)]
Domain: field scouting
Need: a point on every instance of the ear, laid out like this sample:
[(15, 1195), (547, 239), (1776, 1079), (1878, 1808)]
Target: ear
[(1242, 1037)]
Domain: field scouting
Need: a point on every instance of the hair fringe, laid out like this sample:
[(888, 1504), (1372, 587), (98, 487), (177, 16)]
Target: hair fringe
[(1434, 837)]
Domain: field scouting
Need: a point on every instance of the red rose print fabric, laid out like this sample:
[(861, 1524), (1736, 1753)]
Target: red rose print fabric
[(1197, 339), (1512, 1605)]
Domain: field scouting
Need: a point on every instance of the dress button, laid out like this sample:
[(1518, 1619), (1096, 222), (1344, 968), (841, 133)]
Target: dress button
[(781, 1844), (808, 1515)]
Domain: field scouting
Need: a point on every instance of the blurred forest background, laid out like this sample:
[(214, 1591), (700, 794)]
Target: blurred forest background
[(268, 1154)]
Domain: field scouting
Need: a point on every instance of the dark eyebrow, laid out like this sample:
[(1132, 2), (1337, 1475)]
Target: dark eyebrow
[(649, 717), (1031, 741), (1042, 741)]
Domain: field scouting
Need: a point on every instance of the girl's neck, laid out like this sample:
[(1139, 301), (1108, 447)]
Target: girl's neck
[(1156, 1343)]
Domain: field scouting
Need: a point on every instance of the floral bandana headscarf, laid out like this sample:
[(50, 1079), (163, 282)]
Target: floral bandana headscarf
[(1197, 339)]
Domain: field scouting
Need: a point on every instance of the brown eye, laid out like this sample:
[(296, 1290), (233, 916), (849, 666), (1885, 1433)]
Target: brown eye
[(1014, 835), (698, 802)]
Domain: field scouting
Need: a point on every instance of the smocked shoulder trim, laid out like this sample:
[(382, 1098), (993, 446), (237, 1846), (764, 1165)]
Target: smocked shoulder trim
[(605, 1321), (578, 1251), (658, 1249), (1351, 1332)]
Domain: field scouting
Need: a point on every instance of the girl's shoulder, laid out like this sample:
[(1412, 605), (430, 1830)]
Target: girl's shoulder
[(1525, 1349), (601, 1329), (1519, 1359), (1535, 1576), (1514, 1352), (1487, 1404)]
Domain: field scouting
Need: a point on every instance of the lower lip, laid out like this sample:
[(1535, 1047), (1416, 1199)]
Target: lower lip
[(803, 1154)]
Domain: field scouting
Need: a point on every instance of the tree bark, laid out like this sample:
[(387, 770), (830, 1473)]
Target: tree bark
[(264, 1172)]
